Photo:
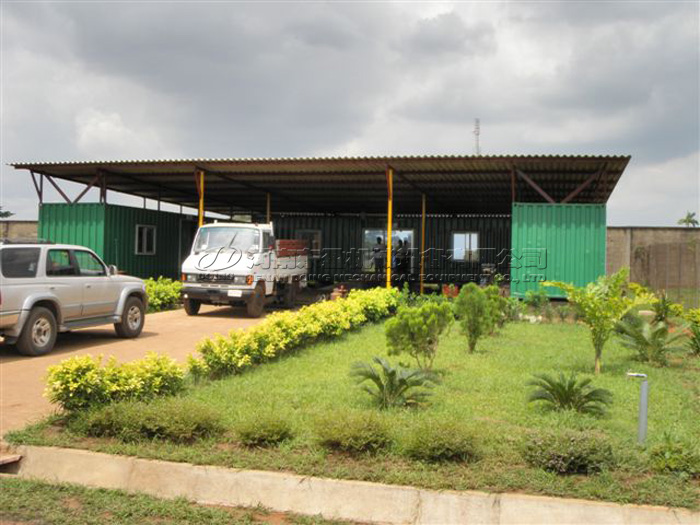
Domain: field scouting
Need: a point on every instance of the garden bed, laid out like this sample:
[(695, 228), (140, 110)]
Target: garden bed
[(485, 392)]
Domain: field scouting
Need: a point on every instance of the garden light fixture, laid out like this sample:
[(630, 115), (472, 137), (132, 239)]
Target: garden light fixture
[(643, 407)]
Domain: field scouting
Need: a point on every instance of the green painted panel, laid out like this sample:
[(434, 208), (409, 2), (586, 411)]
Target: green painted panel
[(556, 242), (81, 224)]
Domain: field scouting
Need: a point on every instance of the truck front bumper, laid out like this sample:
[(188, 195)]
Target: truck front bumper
[(216, 295)]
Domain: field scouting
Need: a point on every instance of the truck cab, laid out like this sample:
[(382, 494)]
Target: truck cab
[(242, 264)]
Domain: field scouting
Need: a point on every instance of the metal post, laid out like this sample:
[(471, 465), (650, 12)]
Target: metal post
[(199, 179), (389, 221), (643, 407), (268, 209), (422, 244)]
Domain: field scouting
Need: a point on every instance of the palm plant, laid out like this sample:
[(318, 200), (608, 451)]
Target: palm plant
[(394, 386), (569, 393), (652, 341), (689, 220), (693, 343)]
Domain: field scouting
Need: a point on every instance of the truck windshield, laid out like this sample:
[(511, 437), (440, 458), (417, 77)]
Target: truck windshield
[(227, 237)]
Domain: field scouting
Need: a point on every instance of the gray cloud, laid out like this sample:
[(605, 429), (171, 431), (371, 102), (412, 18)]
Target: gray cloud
[(154, 79)]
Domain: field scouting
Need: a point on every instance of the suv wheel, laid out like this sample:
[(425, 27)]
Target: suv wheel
[(132, 318), (192, 306), (39, 333)]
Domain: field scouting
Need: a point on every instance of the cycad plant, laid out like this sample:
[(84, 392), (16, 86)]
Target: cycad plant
[(652, 341), (569, 393), (394, 386), (693, 343)]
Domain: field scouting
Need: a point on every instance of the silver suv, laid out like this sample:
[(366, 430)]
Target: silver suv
[(51, 288)]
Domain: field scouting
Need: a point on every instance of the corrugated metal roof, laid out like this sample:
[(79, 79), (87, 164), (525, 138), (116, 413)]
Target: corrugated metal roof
[(452, 183)]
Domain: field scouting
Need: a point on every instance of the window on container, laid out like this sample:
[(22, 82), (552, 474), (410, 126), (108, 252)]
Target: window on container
[(465, 246), (145, 239), (19, 262)]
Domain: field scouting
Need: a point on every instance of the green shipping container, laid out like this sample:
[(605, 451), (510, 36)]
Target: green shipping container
[(111, 231), (556, 242)]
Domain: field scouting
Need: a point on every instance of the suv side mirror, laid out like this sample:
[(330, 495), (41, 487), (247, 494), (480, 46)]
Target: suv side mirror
[(112, 269)]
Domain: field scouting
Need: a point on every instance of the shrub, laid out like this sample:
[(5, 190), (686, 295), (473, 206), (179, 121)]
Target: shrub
[(651, 341), (567, 393), (548, 312), (417, 330), (498, 306), (393, 386), (79, 382), (692, 316), (353, 433), (569, 452), (601, 305), (282, 332), (263, 430), (172, 419), (514, 308), (664, 308), (474, 314), (564, 312), (439, 440), (673, 455), (536, 299), (693, 343), (163, 293)]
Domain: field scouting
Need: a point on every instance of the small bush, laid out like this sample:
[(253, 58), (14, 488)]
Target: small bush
[(353, 433), (417, 330), (673, 455), (80, 382), (652, 341), (548, 312), (263, 430), (473, 311), (163, 293), (394, 386), (536, 299), (172, 419), (693, 344), (437, 441), (564, 312), (569, 452)]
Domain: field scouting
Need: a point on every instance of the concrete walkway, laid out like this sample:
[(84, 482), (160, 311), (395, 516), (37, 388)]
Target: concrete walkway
[(332, 499), (173, 333)]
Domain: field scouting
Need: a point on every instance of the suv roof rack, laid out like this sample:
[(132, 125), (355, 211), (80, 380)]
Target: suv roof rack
[(24, 240)]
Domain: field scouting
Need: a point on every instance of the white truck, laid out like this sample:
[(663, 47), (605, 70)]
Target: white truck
[(242, 264)]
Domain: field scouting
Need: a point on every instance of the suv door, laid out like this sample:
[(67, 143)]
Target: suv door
[(100, 293), (62, 280)]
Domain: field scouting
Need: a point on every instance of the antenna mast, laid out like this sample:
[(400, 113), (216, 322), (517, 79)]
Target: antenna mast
[(477, 132)]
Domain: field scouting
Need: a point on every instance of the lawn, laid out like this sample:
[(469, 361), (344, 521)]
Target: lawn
[(24, 501), (486, 391)]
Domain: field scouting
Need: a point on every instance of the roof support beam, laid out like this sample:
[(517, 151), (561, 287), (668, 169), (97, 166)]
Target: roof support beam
[(39, 187), (536, 187), (87, 188), (59, 190), (583, 185), (402, 177)]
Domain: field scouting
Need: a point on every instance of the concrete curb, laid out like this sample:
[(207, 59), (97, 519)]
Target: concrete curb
[(333, 499)]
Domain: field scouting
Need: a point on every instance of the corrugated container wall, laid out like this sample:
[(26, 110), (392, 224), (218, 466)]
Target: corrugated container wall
[(110, 230), (556, 242)]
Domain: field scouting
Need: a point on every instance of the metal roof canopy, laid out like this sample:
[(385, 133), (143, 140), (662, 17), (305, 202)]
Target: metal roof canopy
[(452, 184)]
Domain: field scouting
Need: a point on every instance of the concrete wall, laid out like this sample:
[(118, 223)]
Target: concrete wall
[(18, 229), (624, 242)]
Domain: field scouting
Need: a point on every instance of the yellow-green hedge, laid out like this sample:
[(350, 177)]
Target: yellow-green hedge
[(283, 331)]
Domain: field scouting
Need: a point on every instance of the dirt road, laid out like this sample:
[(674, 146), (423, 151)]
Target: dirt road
[(173, 333)]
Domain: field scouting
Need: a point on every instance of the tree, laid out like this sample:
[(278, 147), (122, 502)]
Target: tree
[(416, 331), (602, 304), (689, 220), (474, 314), (5, 214)]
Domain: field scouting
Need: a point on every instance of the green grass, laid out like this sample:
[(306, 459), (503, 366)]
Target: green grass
[(485, 391), (35, 502)]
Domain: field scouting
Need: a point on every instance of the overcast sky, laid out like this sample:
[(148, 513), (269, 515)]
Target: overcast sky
[(145, 80)]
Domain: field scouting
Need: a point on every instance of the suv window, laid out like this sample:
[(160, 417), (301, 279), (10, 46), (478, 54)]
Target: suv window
[(19, 262), (88, 264), (58, 262)]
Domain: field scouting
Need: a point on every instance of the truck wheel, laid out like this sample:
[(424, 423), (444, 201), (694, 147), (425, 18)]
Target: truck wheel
[(39, 333), (192, 306), (132, 319), (256, 303)]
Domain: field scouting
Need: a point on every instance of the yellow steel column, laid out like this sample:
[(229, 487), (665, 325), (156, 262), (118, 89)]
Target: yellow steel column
[(268, 214), (422, 244), (199, 180), (389, 221)]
